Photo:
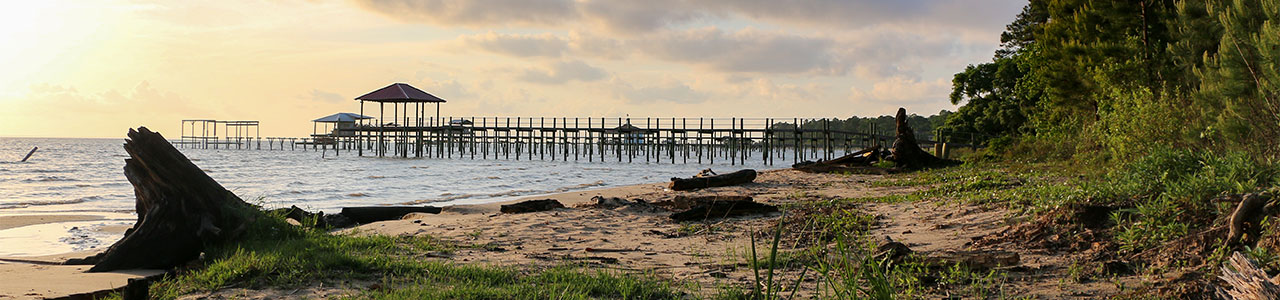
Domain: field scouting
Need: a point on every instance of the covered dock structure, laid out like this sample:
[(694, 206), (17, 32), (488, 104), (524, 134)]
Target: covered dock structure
[(403, 98)]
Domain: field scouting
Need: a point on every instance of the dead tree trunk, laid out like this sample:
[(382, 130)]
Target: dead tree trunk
[(180, 209), (906, 150), (1247, 280)]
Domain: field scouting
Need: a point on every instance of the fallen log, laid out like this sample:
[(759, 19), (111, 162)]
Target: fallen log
[(370, 214), (531, 206), (862, 157), (735, 178), (180, 209), (723, 209), (906, 152), (320, 219), (682, 202), (975, 259), (853, 163), (838, 169)]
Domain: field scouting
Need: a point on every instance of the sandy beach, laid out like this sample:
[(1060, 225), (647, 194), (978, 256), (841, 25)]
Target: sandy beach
[(625, 238)]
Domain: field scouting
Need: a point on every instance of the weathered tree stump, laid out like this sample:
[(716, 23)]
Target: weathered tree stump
[(906, 150), (180, 209), (735, 178), (1247, 280)]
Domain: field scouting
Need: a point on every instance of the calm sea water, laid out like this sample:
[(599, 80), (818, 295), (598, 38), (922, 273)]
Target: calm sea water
[(84, 176)]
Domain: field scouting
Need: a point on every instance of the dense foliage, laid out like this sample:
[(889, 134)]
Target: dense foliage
[(1119, 79)]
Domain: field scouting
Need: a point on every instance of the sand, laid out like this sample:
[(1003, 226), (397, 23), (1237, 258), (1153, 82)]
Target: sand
[(42, 278), (627, 238), (15, 221)]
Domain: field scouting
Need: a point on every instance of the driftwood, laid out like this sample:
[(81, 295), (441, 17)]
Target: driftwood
[(735, 178), (1247, 280), (975, 260), (180, 209), (723, 209), (972, 259), (370, 214), (33, 151), (862, 157), (683, 202), (906, 150), (853, 163), (531, 206)]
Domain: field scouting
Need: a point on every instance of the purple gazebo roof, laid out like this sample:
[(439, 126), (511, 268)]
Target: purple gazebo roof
[(399, 92)]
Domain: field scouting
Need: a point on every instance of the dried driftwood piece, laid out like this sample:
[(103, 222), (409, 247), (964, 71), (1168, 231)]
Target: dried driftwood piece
[(723, 209), (531, 206), (735, 178), (370, 214)]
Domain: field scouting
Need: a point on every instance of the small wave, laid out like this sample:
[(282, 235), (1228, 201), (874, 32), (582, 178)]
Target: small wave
[(375, 177), (486, 178), (357, 195), (513, 193), (446, 197), (52, 202), (579, 186), (70, 187), (49, 178)]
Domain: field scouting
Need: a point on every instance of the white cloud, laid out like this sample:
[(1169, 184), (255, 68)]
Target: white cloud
[(668, 90), (546, 44), (902, 90), (562, 72)]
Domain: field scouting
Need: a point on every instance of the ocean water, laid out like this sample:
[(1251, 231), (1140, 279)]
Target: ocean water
[(85, 176)]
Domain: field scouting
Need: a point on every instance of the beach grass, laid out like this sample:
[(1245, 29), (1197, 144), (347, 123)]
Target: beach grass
[(275, 255)]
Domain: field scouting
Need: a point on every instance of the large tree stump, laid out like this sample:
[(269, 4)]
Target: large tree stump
[(180, 209), (906, 150)]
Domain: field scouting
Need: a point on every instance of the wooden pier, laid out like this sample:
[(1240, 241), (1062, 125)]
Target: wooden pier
[(410, 132), (658, 140)]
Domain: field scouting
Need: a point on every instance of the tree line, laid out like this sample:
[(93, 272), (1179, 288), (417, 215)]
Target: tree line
[(1116, 78)]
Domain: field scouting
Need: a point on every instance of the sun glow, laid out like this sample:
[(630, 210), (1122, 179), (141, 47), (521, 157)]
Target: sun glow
[(44, 38)]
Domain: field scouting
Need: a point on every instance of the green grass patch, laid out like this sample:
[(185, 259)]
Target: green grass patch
[(276, 255)]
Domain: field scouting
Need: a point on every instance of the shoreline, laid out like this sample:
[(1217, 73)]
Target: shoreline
[(23, 220), (595, 228)]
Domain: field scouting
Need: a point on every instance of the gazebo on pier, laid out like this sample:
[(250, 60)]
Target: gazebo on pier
[(335, 125), (403, 98)]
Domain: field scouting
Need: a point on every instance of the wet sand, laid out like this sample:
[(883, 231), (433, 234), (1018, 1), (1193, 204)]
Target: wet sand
[(15, 221)]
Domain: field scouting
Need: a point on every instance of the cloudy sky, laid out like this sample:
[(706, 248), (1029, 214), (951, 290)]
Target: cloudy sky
[(95, 68)]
